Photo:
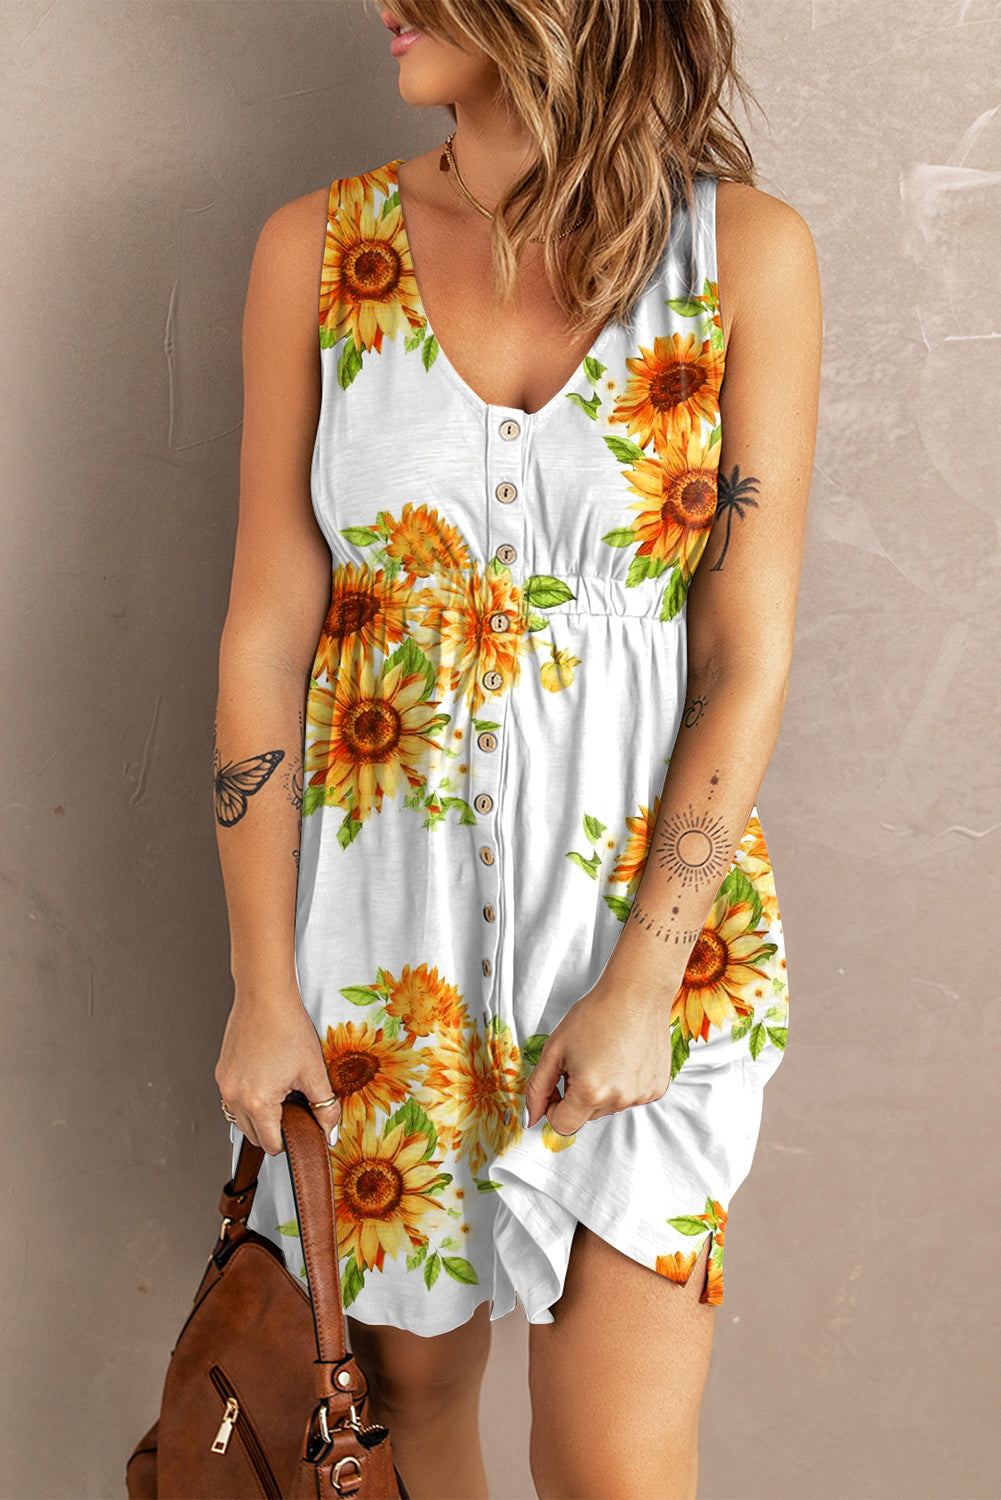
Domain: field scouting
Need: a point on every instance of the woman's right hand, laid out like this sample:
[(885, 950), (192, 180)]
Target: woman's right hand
[(270, 1047)]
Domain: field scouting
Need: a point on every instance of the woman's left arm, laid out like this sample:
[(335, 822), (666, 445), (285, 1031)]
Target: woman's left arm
[(613, 1046)]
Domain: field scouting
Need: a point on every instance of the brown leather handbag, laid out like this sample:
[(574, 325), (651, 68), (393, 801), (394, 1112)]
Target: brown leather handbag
[(261, 1397)]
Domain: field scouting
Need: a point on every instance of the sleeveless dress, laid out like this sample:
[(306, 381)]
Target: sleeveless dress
[(493, 704)]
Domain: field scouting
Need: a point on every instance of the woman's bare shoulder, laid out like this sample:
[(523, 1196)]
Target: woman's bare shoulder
[(764, 247)]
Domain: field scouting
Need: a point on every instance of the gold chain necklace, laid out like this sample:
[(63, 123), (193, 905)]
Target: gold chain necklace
[(448, 161)]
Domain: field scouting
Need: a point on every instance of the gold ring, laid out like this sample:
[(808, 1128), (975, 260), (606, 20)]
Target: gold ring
[(324, 1103), (226, 1111)]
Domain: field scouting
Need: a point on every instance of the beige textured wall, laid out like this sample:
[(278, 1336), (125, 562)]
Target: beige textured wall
[(142, 145)]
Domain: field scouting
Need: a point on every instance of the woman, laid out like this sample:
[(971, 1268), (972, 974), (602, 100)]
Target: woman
[(555, 640)]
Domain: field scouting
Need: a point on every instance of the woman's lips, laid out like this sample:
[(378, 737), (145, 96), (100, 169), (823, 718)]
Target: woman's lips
[(403, 42)]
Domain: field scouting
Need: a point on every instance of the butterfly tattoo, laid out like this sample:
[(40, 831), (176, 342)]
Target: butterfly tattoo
[(238, 780)]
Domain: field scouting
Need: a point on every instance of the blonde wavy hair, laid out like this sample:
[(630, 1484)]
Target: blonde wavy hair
[(628, 101)]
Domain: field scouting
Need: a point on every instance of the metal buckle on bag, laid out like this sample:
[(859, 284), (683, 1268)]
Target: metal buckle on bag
[(350, 1420)]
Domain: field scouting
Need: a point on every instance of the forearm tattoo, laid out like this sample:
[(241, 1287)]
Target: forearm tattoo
[(237, 781), (694, 848), (694, 711), (733, 495), (660, 927)]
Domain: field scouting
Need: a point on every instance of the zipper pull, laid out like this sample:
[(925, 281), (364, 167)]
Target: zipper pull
[(225, 1432)]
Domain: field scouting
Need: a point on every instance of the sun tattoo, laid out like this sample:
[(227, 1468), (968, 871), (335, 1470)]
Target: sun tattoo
[(732, 495), (695, 849)]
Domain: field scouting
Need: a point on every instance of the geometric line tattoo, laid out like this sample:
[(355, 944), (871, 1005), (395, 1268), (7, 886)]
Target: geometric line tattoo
[(694, 848)]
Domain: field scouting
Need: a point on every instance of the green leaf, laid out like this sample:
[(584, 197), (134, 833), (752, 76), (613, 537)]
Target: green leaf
[(415, 339), (776, 1012), (716, 436), (302, 1272), (777, 1034), (312, 798), (547, 592), (737, 887), (352, 1281), (589, 866), (391, 1026), (674, 595), (429, 353), (460, 1270), (411, 658), (439, 1183), (393, 201), (739, 1029), (590, 407), (686, 1224), (385, 981), (686, 306), (594, 369), (415, 1121), (592, 829), (757, 1039), (639, 571), (360, 536), (418, 1257), (484, 1185), (480, 724), (349, 365), (291, 1228), (466, 814), (532, 1047), (535, 621), (360, 994), (680, 1049), (348, 831), (620, 905), (624, 450), (329, 337), (432, 1268), (622, 536)]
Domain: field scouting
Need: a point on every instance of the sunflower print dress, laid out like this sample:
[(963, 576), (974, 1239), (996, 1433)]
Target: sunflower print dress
[(492, 707)]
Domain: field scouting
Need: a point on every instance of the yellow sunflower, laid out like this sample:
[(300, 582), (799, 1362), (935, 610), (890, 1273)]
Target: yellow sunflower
[(425, 544), (632, 860), (381, 1183), (752, 857), (456, 628), (357, 191), (367, 732), (713, 1293), (366, 608), (368, 290), (678, 486), (672, 386), (368, 1070), (472, 1083), (722, 970), (677, 1266), (424, 1003)]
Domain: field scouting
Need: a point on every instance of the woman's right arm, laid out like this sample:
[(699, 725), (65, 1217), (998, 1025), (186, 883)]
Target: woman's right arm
[(279, 597)]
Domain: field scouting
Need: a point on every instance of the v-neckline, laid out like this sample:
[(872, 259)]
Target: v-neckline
[(488, 406)]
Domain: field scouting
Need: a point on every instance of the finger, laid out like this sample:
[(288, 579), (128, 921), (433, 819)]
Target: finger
[(567, 1114), (541, 1089), (329, 1118), (324, 1103), (266, 1123)]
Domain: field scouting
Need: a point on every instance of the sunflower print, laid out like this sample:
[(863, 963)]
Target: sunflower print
[(473, 1091), (723, 968), (367, 609), (673, 386), (423, 1003), (367, 735), (383, 1184), (368, 1070), (678, 1264), (678, 504)]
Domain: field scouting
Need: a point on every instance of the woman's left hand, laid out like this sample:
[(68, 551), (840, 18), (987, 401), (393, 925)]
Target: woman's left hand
[(615, 1051)]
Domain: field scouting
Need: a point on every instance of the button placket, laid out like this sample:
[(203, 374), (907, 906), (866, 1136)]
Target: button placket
[(504, 486)]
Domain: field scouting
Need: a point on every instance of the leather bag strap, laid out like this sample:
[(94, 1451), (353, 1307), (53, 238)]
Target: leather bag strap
[(313, 1186)]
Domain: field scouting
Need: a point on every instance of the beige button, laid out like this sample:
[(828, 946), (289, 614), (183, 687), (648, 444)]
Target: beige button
[(486, 967), (509, 429), (506, 492), (492, 681), (487, 855), (499, 623), (506, 553), (489, 913), (483, 803), (487, 740)]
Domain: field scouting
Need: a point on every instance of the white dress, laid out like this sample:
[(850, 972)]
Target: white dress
[(494, 701)]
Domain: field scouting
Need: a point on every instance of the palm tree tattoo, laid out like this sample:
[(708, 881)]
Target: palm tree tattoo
[(733, 494)]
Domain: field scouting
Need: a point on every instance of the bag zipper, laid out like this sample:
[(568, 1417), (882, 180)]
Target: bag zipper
[(235, 1417)]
